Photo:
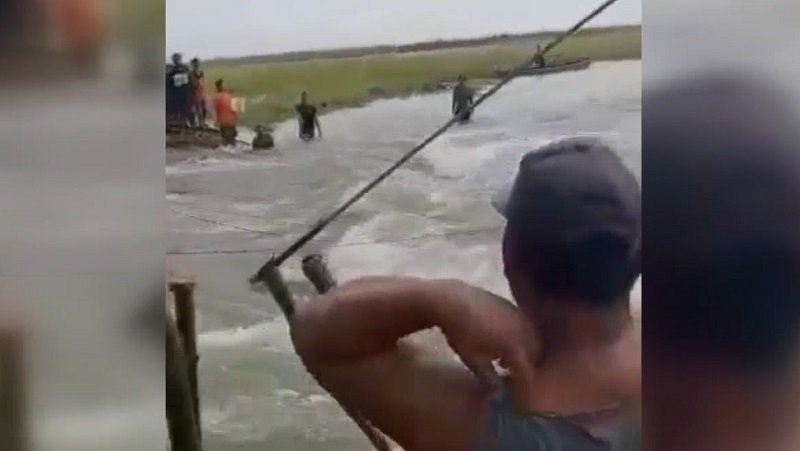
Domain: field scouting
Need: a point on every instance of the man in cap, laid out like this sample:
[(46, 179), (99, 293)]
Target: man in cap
[(570, 253)]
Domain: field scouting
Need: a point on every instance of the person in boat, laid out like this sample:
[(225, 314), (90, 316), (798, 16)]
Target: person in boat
[(307, 119), (538, 59), (568, 344), (225, 115), (179, 91), (722, 322), (263, 139), (197, 81), (463, 97)]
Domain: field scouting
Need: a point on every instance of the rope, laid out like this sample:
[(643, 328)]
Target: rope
[(225, 224), (276, 261)]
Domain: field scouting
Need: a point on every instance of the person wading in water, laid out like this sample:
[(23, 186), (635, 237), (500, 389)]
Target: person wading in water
[(462, 99), (307, 118), (570, 253), (538, 59), (226, 116), (722, 322)]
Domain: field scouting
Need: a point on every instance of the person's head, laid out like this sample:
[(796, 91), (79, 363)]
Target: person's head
[(303, 97), (177, 59), (462, 78), (220, 85), (721, 302), (573, 228), (195, 63)]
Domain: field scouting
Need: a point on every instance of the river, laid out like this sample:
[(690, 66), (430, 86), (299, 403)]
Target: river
[(432, 218)]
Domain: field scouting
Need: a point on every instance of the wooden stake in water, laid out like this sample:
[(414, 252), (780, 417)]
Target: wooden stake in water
[(13, 425), (181, 422), (183, 291)]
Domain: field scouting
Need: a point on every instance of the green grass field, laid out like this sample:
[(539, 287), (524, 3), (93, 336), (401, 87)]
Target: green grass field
[(273, 87)]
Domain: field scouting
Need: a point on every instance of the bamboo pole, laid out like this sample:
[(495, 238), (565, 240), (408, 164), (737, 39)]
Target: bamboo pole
[(183, 290), (13, 425), (181, 422), (271, 275), (316, 271)]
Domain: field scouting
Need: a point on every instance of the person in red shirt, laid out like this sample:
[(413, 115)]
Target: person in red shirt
[(226, 116), (81, 27)]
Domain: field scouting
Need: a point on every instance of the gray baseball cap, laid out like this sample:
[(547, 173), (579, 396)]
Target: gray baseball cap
[(570, 189)]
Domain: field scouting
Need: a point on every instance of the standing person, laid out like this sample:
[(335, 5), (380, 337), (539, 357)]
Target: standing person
[(169, 95), (197, 81), (178, 79), (81, 25), (225, 115), (569, 343), (722, 297), (539, 58), (462, 99), (307, 118)]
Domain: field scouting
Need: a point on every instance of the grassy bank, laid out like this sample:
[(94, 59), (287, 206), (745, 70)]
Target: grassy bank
[(272, 84)]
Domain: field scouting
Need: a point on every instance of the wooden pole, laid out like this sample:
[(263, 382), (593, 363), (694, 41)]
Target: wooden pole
[(271, 275), (316, 271), (181, 422), (183, 291), (13, 425)]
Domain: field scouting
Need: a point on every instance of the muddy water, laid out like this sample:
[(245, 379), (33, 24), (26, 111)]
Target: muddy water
[(227, 213)]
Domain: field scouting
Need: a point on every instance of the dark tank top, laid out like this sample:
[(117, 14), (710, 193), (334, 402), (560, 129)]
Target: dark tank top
[(507, 430)]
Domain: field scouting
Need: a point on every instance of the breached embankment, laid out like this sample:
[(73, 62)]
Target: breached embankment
[(183, 143)]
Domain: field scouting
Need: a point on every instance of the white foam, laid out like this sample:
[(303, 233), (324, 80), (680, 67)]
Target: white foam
[(252, 208), (274, 333), (175, 197), (360, 252), (451, 156)]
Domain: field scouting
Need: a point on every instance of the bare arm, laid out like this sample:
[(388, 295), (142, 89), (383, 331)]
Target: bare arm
[(319, 127), (352, 341)]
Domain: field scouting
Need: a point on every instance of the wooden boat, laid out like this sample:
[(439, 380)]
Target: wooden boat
[(551, 68)]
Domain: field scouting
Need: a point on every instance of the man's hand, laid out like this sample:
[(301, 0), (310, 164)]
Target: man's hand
[(483, 328)]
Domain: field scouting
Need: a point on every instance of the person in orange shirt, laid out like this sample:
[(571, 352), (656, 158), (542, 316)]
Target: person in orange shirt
[(81, 26), (226, 116)]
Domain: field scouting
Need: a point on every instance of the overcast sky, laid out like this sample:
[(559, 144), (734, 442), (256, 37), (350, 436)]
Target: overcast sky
[(209, 28)]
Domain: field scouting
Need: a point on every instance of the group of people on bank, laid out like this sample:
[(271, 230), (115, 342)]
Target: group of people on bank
[(188, 99), (188, 105)]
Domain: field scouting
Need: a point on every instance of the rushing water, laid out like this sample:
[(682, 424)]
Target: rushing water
[(432, 218)]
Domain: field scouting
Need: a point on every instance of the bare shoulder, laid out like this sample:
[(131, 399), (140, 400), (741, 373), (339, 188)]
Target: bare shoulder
[(423, 400)]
